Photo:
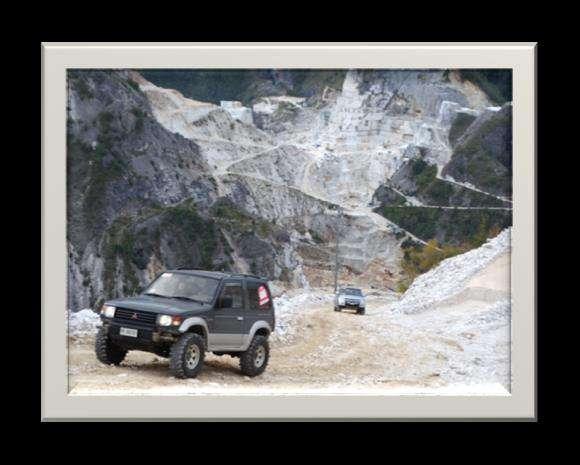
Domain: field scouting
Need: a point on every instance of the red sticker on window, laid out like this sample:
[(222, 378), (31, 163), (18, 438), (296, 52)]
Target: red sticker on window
[(263, 295)]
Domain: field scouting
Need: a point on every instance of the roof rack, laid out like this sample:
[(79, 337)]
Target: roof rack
[(188, 268)]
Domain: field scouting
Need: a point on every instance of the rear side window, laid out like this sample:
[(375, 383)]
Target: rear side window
[(234, 290), (258, 296)]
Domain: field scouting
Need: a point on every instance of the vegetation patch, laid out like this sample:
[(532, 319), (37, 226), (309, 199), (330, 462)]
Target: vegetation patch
[(423, 173), (458, 227), (102, 172), (130, 242), (316, 237), (119, 247), (460, 124), (496, 83), (190, 228), (133, 85), (285, 110), (232, 218), (307, 83), (139, 118), (438, 192), (92, 171), (245, 85), (386, 195), (418, 259)]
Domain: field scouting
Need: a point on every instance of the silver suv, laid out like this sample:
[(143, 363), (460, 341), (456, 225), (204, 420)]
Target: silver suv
[(350, 297)]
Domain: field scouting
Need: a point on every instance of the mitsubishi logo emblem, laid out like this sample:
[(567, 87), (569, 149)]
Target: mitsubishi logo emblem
[(134, 316)]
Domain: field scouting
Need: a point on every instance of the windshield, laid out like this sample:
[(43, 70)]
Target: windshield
[(351, 291), (183, 286)]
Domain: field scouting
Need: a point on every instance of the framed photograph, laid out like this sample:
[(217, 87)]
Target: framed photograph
[(284, 231)]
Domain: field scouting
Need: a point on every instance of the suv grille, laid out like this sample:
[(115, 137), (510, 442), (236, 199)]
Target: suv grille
[(135, 317)]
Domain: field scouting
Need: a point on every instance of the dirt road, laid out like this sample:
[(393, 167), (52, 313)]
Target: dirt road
[(327, 352)]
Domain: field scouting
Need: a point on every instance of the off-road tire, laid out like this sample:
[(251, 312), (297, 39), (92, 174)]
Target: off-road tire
[(179, 364), (106, 350), (337, 309), (361, 312), (249, 358)]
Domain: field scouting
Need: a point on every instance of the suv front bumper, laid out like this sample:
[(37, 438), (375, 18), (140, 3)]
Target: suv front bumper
[(146, 338)]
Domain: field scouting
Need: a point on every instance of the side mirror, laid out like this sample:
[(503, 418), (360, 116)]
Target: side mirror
[(226, 302)]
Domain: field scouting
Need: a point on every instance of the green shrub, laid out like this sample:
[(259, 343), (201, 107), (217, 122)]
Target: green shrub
[(438, 192), (233, 218), (186, 223), (460, 124), (139, 118), (133, 85), (119, 245), (316, 237), (418, 259)]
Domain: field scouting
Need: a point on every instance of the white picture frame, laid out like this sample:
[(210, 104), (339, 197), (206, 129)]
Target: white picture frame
[(57, 405)]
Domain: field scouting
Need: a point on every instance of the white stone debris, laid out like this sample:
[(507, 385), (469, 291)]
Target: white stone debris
[(289, 305), (449, 277), (238, 111), (83, 323)]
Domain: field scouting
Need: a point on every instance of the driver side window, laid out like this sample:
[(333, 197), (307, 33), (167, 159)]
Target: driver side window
[(234, 291)]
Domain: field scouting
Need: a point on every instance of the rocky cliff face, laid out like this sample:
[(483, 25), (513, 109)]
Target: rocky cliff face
[(482, 153), (142, 197), (159, 180)]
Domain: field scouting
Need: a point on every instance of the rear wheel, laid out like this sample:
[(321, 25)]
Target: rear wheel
[(254, 360), (106, 350), (186, 356)]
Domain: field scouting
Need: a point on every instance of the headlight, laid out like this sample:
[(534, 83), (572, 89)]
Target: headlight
[(168, 320), (164, 320), (341, 300), (108, 311)]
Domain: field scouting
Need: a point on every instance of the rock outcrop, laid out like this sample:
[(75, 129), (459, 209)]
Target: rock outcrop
[(482, 155)]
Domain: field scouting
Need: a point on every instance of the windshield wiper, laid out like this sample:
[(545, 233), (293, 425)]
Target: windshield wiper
[(153, 294), (182, 297)]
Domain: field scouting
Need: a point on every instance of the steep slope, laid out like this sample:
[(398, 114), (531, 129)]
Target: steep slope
[(361, 135), (120, 162), (279, 183), (222, 139), (453, 276), (482, 155), (142, 198)]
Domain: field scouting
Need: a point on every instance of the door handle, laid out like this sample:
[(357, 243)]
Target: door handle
[(240, 318)]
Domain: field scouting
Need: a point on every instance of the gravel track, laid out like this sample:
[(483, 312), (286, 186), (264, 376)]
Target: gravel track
[(327, 352)]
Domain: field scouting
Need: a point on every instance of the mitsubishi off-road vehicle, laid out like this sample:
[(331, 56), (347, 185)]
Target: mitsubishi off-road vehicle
[(350, 297), (184, 313)]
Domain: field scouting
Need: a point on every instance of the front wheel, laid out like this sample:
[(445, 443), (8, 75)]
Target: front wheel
[(361, 311), (254, 360), (106, 350), (337, 309), (186, 356)]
